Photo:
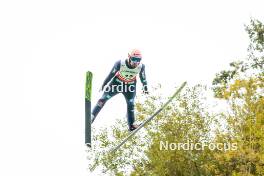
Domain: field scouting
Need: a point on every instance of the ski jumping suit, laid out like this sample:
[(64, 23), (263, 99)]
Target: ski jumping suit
[(123, 77)]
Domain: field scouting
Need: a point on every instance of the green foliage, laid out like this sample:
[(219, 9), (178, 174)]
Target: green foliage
[(253, 65), (245, 124), (256, 34), (243, 88)]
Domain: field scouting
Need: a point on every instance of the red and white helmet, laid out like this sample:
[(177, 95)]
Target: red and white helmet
[(134, 57), (135, 53)]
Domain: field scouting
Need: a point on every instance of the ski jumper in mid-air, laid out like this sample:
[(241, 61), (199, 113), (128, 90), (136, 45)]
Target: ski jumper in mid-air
[(122, 79)]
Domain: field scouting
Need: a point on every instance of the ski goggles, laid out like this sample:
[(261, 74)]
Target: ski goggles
[(135, 59)]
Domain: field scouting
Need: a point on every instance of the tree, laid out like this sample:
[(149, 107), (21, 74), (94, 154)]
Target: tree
[(252, 66), (243, 88)]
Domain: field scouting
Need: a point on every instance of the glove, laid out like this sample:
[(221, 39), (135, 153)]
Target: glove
[(145, 89)]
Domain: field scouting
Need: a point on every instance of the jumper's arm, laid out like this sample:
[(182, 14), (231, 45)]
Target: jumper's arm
[(142, 76)]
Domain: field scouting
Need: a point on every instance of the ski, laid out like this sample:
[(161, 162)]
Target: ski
[(149, 119), (88, 92)]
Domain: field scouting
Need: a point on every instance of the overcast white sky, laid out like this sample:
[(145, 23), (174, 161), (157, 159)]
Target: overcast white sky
[(47, 46)]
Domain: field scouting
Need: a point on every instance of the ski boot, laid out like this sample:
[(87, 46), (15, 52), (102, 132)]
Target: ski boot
[(133, 127)]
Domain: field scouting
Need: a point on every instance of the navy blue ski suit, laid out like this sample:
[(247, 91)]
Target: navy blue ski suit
[(115, 86)]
